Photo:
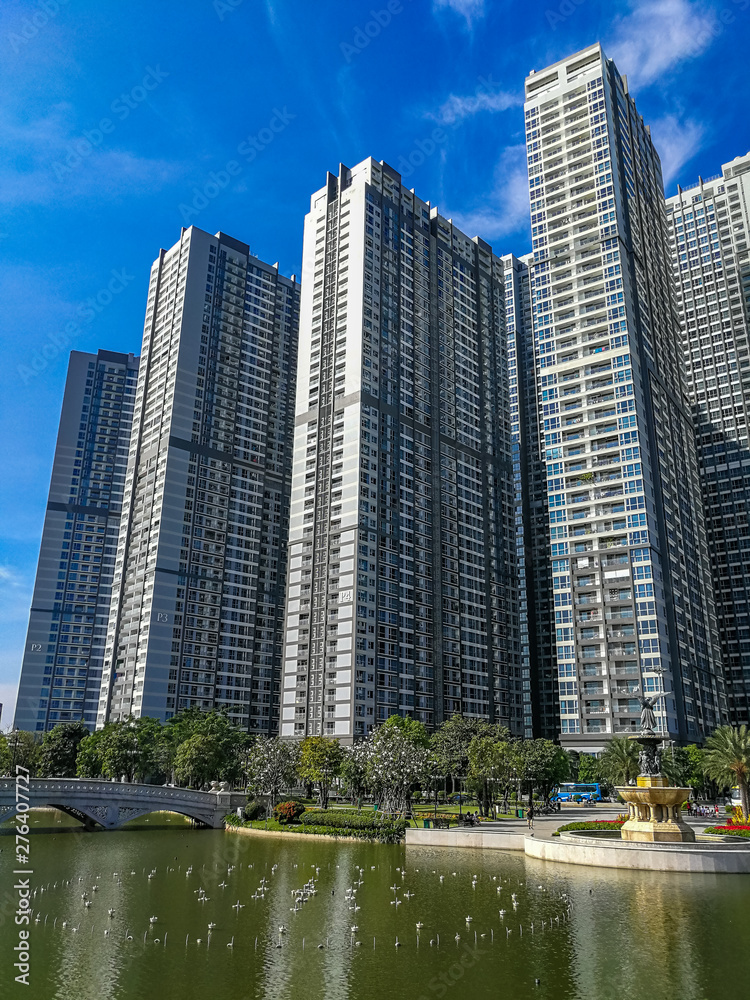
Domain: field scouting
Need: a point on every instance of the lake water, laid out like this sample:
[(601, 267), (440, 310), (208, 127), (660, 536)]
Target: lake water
[(597, 934)]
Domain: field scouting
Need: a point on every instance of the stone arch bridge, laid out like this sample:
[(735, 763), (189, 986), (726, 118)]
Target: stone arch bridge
[(108, 804)]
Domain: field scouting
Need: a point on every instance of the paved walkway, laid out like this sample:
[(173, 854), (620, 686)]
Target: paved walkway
[(545, 826)]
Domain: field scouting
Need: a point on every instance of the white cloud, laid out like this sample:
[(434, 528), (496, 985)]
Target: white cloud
[(657, 35), (505, 209), (676, 143), (470, 10), (457, 108), (46, 160)]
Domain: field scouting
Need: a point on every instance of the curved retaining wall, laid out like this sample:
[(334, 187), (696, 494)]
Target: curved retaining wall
[(715, 858), (578, 849), (465, 838)]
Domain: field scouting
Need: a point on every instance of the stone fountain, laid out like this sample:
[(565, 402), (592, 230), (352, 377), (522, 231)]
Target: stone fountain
[(654, 807)]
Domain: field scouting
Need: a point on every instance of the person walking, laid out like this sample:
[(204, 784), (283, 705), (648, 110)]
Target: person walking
[(530, 817)]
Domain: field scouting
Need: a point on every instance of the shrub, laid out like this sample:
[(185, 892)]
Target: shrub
[(288, 812), (255, 810), (601, 824), (365, 826)]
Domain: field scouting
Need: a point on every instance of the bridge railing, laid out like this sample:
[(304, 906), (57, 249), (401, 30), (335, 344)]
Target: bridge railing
[(89, 786)]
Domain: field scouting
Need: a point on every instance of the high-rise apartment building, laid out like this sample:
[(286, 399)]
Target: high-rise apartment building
[(538, 669), (64, 652), (709, 226), (632, 594), (401, 595), (196, 616)]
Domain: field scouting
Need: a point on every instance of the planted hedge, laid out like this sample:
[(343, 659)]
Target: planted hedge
[(338, 823), (600, 824), (365, 826)]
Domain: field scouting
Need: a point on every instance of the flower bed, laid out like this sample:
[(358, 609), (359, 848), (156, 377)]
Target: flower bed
[(598, 824), (729, 831)]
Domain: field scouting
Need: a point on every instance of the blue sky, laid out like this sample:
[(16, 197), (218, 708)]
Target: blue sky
[(114, 114)]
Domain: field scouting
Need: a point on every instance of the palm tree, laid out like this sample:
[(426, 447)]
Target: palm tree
[(727, 760), (619, 762)]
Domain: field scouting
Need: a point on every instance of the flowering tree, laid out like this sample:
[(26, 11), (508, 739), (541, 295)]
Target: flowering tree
[(398, 760), (354, 769), (271, 766)]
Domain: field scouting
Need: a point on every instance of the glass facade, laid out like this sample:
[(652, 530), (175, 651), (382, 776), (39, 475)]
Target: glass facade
[(708, 227), (196, 616), (632, 599), (64, 651)]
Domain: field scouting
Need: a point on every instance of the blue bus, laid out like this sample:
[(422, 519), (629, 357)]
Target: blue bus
[(574, 791)]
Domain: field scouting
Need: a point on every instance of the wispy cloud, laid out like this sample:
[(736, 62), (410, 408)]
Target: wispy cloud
[(458, 107), (470, 10), (677, 142), (505, 208), (46, 159), (657, 35)]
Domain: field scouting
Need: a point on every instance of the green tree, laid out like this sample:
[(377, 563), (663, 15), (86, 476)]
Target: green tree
[(683, 766), (727, 760), (59, 749), (320, 762), (450, 744), (588, 768), (489, 764), (618, 763), (199, 759), (126, 748), (90, 757), (228, 745), (23, 751), (541, 764), (4, 755)]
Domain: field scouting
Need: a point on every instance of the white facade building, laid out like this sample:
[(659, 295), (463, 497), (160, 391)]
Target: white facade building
[(632, 594), (401, 594), (196, 615)]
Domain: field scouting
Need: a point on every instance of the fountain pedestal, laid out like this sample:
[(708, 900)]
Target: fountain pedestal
[(654, 807), (655, 811)]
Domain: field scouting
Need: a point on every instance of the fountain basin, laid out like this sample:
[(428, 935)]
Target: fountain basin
[(655, 812)]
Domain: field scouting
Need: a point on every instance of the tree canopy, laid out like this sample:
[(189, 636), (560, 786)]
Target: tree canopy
[(726, 759)]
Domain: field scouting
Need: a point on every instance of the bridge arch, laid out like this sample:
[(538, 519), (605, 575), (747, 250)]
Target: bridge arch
[(108, 805)]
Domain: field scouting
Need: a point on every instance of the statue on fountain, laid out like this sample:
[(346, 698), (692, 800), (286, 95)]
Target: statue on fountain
[(648, 718), (654, 807)]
